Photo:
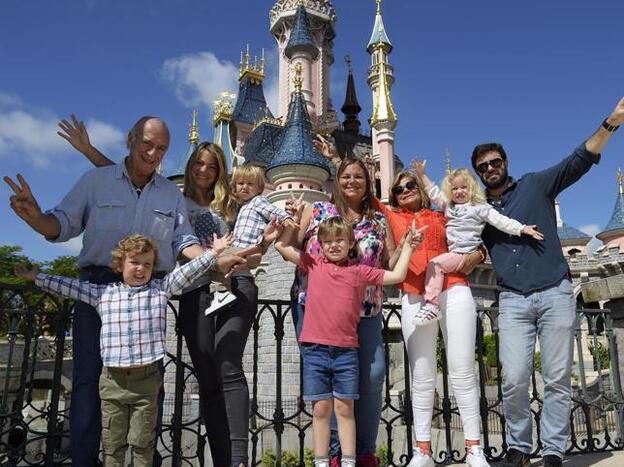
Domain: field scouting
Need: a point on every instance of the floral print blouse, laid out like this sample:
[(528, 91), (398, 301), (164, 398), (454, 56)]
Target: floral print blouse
[(370, 237)]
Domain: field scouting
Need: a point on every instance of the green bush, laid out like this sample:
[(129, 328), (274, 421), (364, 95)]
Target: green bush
[(604, 359), (382, 454), (537, 362), (289, 458)]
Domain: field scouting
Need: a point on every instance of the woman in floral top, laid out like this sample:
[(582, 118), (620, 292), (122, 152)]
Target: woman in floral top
[(353, 200)]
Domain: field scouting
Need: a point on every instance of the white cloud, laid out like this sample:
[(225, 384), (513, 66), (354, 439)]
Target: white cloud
[(590, 229), (31, 133), (594, 243), (198, 78)]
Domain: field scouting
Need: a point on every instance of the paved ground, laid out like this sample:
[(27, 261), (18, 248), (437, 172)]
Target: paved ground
[(605, 459)]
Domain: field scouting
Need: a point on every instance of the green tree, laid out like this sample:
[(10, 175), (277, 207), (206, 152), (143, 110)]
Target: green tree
[(10, 256), (62, 266)]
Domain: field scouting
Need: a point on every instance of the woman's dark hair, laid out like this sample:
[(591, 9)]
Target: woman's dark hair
[(367, 206), (484, 148)]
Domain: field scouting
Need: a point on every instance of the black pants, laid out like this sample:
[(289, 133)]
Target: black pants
[(216, 344)]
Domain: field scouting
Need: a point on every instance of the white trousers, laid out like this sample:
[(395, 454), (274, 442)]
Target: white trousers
[(458, 321)]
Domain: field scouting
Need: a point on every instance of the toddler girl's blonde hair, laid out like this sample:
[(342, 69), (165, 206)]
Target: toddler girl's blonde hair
[(133, 245), (475, 193)]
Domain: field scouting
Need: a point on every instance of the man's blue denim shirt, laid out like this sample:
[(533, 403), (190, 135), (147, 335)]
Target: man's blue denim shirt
[(523, 264)]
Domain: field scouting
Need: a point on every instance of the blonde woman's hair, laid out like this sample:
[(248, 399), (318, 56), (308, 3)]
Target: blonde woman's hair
[(222, 200), (248, 171), (475, 193), (333, 226), (406, 175), (133, 245)]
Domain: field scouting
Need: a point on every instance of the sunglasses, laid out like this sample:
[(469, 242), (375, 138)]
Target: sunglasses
[(397, 190), (495, 163)]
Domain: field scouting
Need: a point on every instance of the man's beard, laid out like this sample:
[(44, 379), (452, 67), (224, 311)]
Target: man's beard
[(497, 184)]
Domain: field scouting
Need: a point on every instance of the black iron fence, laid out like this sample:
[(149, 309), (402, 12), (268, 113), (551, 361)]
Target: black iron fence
[(35, 380)]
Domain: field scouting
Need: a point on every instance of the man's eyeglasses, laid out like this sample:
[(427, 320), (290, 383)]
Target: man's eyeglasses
[(397, 190), (495, 163)]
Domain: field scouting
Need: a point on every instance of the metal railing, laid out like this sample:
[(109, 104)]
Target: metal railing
[(36, 382)]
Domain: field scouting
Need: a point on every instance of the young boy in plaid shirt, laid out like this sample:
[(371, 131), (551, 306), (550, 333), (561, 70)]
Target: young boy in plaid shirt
[(132, 338), (255, 213)]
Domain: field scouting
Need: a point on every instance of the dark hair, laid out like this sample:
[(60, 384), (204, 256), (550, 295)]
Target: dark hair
[(367, 204), (484, 148)]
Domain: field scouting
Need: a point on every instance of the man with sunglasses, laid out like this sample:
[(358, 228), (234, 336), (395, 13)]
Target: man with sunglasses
[(536, 293)]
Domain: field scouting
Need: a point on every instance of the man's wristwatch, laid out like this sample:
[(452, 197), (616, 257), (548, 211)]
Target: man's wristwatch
[(607, 126)]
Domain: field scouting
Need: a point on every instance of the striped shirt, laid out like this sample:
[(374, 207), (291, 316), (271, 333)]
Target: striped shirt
[(133, 318), (252, 218)]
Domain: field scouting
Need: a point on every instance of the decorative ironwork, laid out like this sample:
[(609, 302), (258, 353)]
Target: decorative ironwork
[(34, 430)]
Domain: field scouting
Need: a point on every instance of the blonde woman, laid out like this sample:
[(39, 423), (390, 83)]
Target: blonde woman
[(466, 211)]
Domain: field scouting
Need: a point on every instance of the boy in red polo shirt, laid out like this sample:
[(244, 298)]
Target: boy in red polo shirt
[(329, 337)]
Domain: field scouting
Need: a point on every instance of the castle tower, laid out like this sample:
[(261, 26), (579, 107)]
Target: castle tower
[(297, 167), (304, 31), (251, 105), (573, 241), (613, 234), (351, 107), (177, 175), (221, 119), (384, 119)]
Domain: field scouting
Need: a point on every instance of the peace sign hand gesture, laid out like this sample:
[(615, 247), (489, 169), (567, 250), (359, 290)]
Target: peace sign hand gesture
[(23, 202)]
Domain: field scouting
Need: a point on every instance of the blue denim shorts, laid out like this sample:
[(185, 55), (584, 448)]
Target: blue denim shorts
[(330, 371)]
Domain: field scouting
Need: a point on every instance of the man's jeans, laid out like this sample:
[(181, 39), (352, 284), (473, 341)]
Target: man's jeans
[(549, 314)]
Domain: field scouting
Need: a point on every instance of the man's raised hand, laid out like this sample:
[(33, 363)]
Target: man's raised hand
[(23, 202)]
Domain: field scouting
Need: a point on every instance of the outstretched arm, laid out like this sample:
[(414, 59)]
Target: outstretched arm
[(596, 143), (285, 246), (75, 133), (25, 205), (398, 273)]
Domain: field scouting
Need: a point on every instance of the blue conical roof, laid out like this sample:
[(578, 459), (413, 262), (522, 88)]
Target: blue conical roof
[(379, 34), (300, 36), (251, 106), (567, 232), (296, 146), (617, 218)]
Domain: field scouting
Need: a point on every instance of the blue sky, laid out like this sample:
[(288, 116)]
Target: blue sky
[(537, 76)]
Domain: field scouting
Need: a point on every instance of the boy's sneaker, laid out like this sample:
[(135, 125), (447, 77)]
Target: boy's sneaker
[(515, 458), (551, 461), (219, 300), (475, 457), (428, 313), (420, 460)]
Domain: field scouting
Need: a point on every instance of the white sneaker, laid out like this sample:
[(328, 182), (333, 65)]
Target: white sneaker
[(476, 457), (219, 300), (420, 460), (427, 314)]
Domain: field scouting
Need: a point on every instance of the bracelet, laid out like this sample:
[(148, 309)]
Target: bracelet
[(607, 126)]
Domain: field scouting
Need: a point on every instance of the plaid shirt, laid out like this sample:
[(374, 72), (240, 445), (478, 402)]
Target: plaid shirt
[(252, 218), (133, 318)]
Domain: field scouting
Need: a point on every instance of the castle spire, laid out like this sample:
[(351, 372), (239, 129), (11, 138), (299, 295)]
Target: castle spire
[(300, 39), (619, 175), (351, 107), (383, 110), (379, 33), (447, 157), (613, 233), (194, 130)]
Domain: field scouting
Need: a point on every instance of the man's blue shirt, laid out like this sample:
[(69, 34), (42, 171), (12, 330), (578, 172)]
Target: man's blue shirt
[(523, 264)]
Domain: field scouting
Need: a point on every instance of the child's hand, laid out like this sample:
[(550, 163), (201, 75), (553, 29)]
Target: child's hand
[(24, 272), (418, 166), (221, 243), (327, 149), (533, 232), (295, 206), (272, 231), (291, 224)]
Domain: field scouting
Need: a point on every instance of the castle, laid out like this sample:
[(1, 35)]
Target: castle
[(280, 141)]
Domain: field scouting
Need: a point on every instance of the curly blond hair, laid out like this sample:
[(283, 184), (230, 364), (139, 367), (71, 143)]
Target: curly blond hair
[(475, 193), (248, 172), (133, 245)]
